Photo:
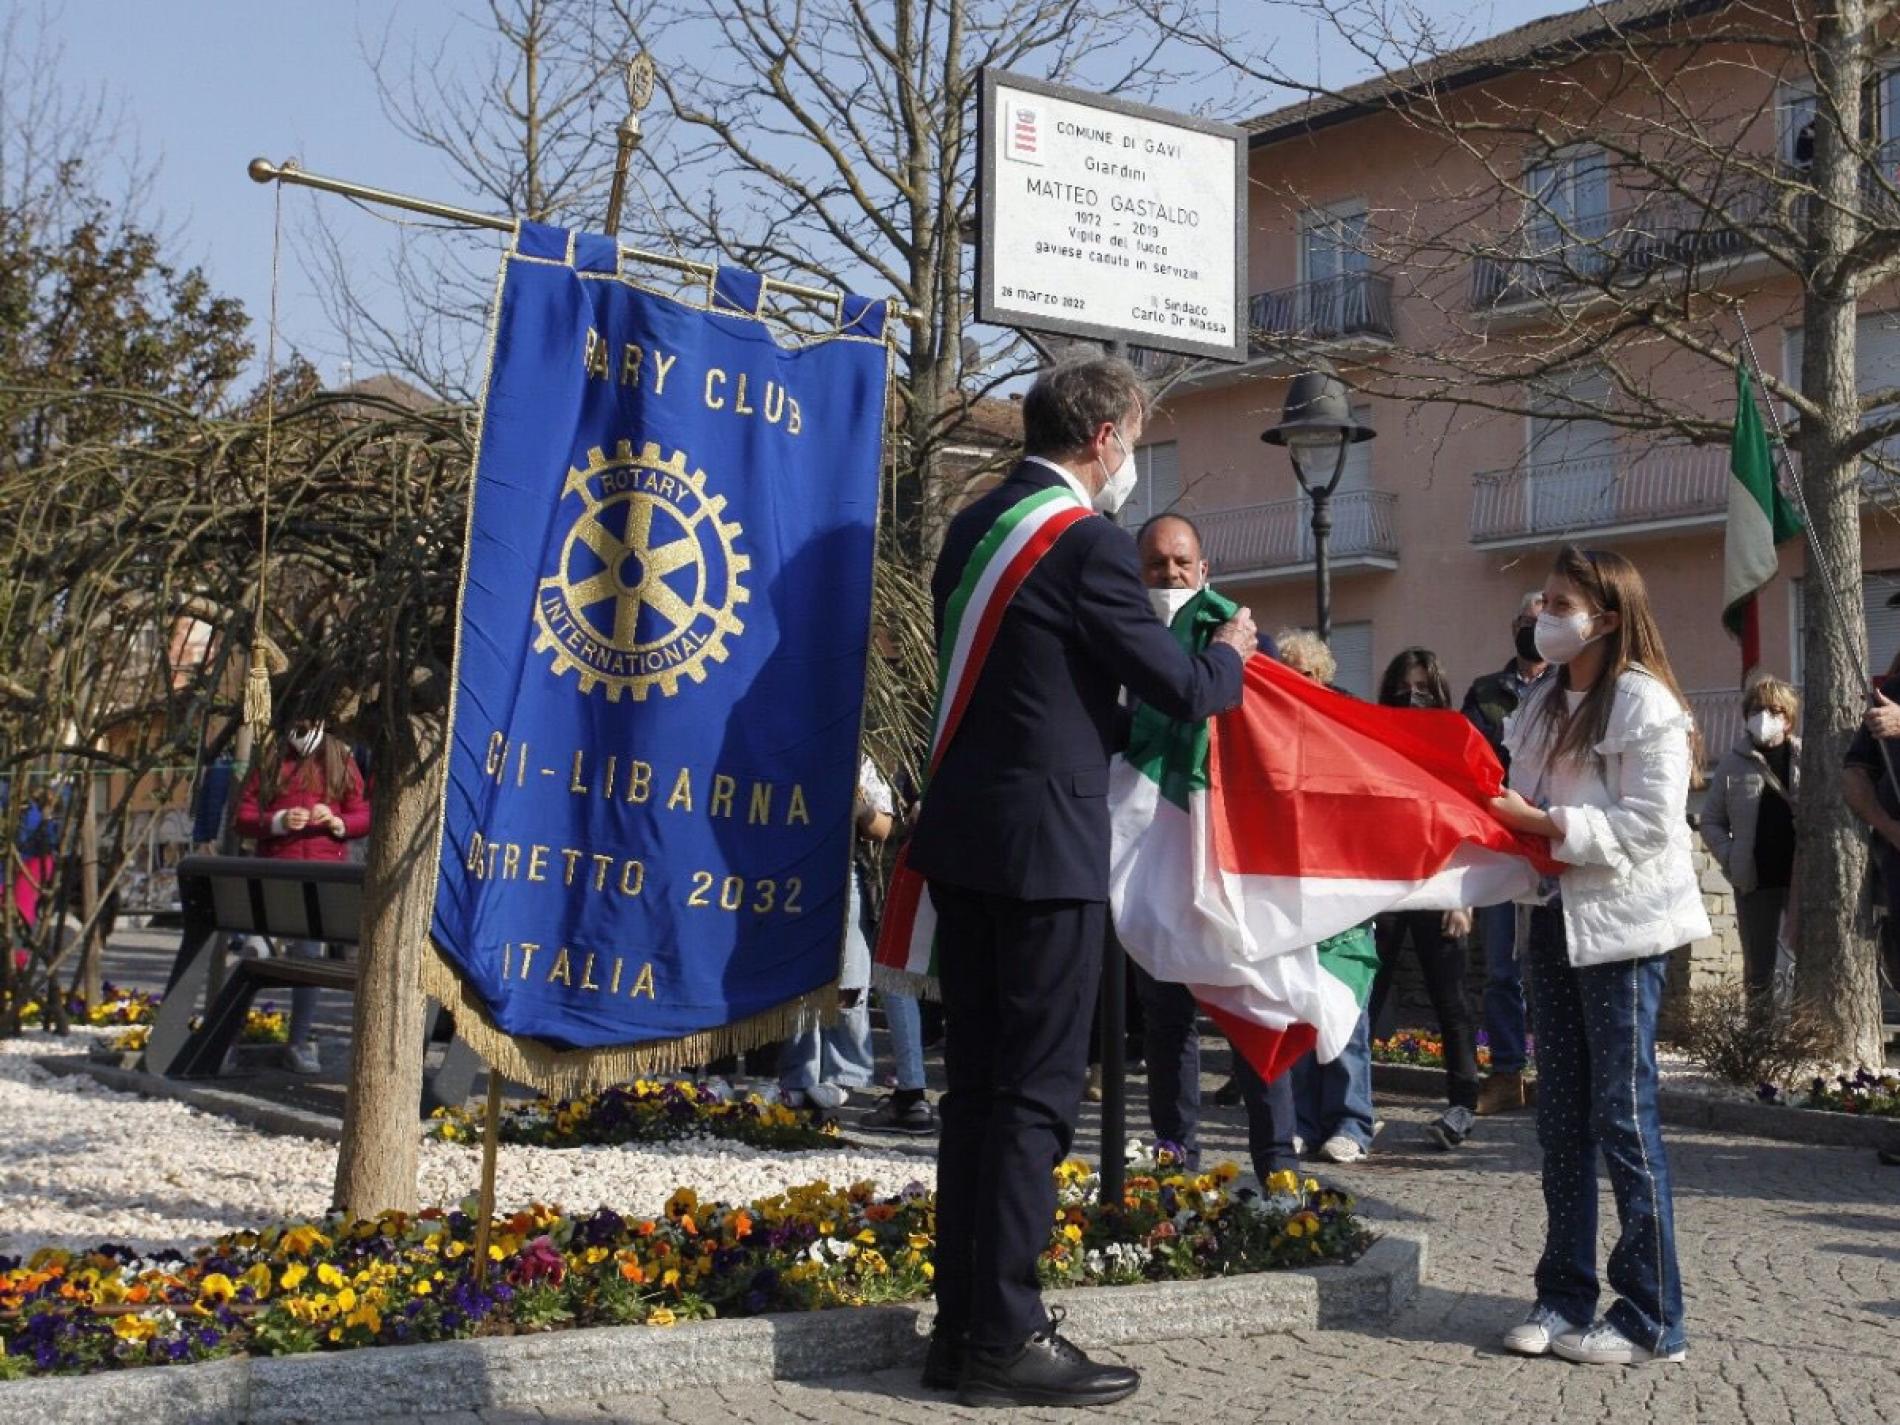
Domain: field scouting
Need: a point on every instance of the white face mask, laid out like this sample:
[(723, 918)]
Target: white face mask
[(1766, 729), (1561, 638), (305, 744), (1120, 483), (1169, 602)]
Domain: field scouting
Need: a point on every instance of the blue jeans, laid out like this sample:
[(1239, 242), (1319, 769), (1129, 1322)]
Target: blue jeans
[(1503, 988), (906, 1023), (1596, 1090), (303, 998), (1336, 1098), (839, 1053)]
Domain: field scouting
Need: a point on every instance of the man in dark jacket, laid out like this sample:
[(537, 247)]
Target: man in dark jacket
[(1491, 700), (1013, 838)]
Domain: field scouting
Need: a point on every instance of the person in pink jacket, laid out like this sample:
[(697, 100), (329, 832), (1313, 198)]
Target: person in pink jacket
[(303, 801)]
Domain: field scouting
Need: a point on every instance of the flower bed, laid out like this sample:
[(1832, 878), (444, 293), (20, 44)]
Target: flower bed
[(1426, 1051), (116, 1006), (646, 1111), (263, 1024), (339, 1284), (1863, 1092)]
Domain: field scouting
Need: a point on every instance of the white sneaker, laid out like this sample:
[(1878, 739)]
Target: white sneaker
[(1341, 1149), (302, 1059), (1299, 1146), (1604, 1345), (1538, 1332), (828, 1095)]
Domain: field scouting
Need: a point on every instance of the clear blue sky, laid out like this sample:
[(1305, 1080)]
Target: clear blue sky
[(209, 84)]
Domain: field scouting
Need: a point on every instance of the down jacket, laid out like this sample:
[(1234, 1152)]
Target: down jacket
[(1732, 809), (1631, 889)]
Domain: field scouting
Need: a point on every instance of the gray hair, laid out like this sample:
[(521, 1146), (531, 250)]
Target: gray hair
[(1525, 604), (1072, 401), (1303, 651)]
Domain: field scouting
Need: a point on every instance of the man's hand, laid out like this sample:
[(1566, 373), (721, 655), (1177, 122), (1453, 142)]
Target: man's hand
[(1239, 634), (1883, 718)]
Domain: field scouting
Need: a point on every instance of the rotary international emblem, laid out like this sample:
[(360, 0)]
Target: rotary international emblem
[(648, 581)]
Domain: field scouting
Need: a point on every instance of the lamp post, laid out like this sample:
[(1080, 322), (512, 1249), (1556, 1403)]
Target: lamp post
[(1316, 426)]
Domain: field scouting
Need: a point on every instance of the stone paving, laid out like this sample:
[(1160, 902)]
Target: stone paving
[(1791, 1261)]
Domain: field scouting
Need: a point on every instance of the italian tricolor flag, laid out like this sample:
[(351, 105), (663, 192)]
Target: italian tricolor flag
[(1250, 851), (1759, 518)]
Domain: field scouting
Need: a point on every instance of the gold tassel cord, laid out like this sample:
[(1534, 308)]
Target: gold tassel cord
[(257, 704), (569, 1073)]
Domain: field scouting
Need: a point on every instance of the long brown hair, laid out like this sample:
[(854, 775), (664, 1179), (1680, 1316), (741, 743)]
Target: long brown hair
[(331, 771), (1613, 585)]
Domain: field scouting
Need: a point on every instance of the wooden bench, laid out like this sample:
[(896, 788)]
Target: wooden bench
[(224, 896)]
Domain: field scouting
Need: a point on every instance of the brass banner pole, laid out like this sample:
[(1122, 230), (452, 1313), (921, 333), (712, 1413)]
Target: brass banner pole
[(491, 1143), (639, 95)]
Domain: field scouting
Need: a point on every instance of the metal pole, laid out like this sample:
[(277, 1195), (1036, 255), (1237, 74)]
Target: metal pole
[(1322, 570), (639, 91), (1114, 1068), (491, 1143)]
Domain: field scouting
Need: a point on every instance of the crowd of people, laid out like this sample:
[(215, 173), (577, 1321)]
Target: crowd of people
[(1601, 761)]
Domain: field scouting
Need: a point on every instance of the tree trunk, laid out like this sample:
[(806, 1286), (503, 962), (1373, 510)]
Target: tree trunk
[(1835, 975), (376, 1166), (90, 977)]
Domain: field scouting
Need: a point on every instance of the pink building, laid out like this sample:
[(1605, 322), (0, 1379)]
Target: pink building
[(1445, 520)]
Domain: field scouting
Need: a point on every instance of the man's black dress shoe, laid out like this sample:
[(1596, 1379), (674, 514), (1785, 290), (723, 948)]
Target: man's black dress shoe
[(943, 1367), (1044, 1370)]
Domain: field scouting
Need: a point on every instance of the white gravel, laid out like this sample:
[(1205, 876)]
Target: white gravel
[(81, 1164)]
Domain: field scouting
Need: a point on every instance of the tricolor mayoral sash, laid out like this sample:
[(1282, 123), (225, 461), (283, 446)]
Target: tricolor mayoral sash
[(659, 672), (1003, 559)]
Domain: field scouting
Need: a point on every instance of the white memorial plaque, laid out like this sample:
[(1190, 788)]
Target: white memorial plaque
[(1111, 220)]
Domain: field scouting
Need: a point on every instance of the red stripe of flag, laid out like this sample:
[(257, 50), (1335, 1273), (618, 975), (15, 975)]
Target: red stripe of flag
[(1338, 770)]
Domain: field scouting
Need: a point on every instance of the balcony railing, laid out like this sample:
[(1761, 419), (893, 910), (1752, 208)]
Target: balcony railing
[(1658, 484), (1349, 306), (1279, 534), (1620, 247), (1718, 717), (1329, 309)]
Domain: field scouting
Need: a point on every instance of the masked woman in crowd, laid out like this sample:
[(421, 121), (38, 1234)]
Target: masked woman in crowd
[(1601, 764), (1748, 823), (1414, 680), (303, 801)]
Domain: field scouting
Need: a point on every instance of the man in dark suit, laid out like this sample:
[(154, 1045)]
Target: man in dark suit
[(1175, 570), (1013, 838)]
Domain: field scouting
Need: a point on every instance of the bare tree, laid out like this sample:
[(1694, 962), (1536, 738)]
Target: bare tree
[(1741, 151), (834, 142), (519, 103)]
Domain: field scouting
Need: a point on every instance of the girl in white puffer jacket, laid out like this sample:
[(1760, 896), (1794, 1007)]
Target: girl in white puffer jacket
[(1601, 761)]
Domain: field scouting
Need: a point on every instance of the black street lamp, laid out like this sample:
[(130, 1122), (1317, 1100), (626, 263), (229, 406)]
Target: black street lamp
[(1316, 426)]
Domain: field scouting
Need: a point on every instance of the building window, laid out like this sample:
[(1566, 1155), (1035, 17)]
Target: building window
[(1876, 367), (1881, 623), (1570, 453), (1159, 487), (1569, 199)]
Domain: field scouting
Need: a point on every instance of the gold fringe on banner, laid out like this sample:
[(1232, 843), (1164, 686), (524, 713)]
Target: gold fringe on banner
[(569, 1073)]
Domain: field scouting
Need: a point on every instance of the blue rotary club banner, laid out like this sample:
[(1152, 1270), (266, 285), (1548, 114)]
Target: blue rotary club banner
[(659, 672)]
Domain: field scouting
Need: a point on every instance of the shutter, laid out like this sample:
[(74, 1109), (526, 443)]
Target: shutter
[(1164, 475), (1358, 472), (1352, 650), (1882, 623)]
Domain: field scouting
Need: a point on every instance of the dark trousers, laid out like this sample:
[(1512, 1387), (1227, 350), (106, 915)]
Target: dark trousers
[(1172, 1048), (1019, 984), (1443, 961), (1758, 917)]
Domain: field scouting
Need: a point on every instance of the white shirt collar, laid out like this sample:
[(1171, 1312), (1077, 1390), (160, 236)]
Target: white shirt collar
[(1069, 477)]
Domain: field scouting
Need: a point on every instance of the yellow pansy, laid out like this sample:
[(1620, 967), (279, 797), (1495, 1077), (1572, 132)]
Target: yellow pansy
[(216, 1286), (293, 1276), (329, 1276), (136, 1329), (660, 1316)]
